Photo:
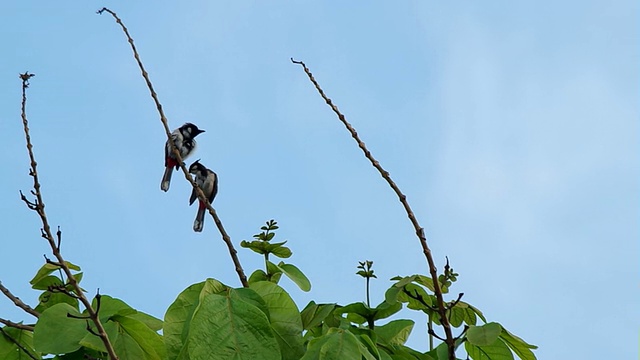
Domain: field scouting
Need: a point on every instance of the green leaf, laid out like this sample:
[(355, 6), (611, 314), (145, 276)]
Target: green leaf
[(497, 350), (284, 317), (255, 245), (10, 351), (314, 314), (426, 282), (48, 299), (519, 346), (55, 333), (152, 322), (177, 320), (43, 272), (228, 327), (384, 310), (419, 299), (335, 344), (44, 282), (395, 332), (135, 334), (296, 276), (258, 275), (477, 312), (93, 342), (282, 252), (357, 312), (484, 335)]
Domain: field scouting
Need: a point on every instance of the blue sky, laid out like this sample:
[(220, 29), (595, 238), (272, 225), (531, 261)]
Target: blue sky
[(512, 127)]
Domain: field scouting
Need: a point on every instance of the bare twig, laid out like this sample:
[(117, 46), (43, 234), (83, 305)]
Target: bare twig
[(38, 206), (433, 270), (16, 325), (16, 300), (18, 344), (176, 153)]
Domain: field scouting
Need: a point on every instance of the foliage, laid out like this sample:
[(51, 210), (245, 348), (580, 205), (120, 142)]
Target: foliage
[(210, 320)]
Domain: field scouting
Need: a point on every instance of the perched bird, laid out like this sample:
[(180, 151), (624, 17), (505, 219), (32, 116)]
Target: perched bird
[(183, 138), (207, 180)]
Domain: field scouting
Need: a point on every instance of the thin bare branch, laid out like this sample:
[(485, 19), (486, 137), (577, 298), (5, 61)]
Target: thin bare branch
[(225, 237), (46, 229), (433, 270), (16, 300), (16, 325), (18, 344)]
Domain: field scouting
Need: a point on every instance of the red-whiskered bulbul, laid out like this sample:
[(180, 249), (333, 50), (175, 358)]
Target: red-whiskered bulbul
[(207, 180), (183, 138)]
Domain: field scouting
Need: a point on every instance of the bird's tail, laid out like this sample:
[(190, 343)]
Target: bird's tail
[(166, 178), (198, 224)]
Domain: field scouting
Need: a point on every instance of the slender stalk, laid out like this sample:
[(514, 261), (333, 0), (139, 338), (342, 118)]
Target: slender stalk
[(38, 206), (16, 300), (433, 270), (176, 153), (16, 325)]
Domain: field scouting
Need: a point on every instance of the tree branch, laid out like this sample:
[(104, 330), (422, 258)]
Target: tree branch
[(38, 206), (16, 300), (433, 270), (16, 325), (225, 237)]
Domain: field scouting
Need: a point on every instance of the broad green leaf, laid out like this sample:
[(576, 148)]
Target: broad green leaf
[(484, 335), (282, 252), (296, 276), (48, 268), (395, 332), (519, 346), (49, 299), (477, 312), (426, 282), (497, 350), (10, 351), (227, 327), (284, 317), (416, 298), (368, 348), (314, 314), (43, 272), (258, 275), (265, 247), (93, 342), (110, 306), (152, 322), (143, 337), (384, 310), (44, 282), (457, 316), (469, 316), (391, 295), (177, 320), (251, 297), (55, 333), (335, 344), (361, 311), (212, 286)]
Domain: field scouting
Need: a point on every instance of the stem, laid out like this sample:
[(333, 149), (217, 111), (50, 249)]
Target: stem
[(38, 206), (368, 303), (225, 237), (433, 270)]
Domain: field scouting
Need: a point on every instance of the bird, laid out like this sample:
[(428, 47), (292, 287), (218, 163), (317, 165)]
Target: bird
[(183, 138), (207, 180)]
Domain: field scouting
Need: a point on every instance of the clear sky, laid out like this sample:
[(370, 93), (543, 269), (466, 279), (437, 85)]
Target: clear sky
[(511, 126)]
